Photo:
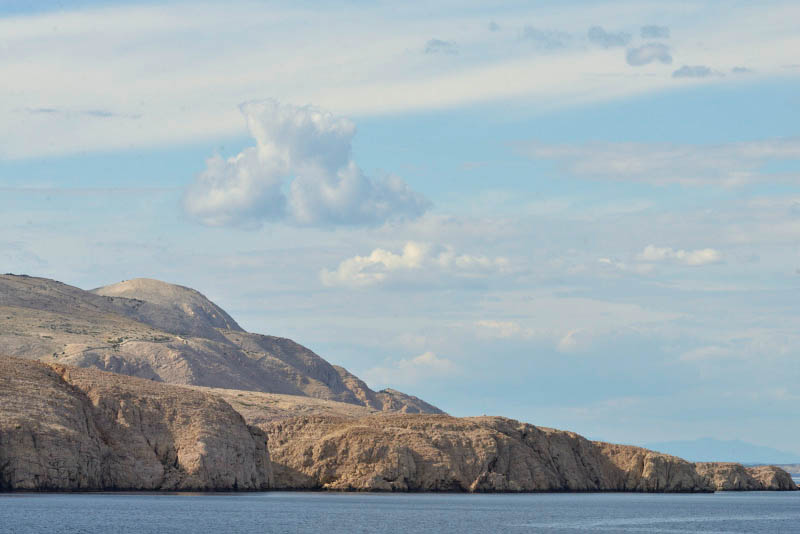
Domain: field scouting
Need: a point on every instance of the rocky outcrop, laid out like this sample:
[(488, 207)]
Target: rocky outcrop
[(168, 333), (65, 428), (443, 453), (728, 476), (651, 471), (78, 429)]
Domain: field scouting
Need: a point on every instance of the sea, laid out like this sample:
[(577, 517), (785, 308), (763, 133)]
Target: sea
[(329, 513)]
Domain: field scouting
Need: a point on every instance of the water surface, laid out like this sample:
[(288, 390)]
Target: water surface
[(329, 513)]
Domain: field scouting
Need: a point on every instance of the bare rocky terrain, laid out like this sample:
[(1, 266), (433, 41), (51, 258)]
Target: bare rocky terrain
[(173, 334), (210, 406), (65, 428), (393, 452), (728, 476)]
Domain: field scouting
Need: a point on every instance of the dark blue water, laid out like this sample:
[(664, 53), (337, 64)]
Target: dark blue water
[(407, 513)]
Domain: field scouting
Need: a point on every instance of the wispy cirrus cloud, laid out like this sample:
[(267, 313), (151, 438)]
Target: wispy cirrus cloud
[(492, 328), (730, 165), (183, 88), (96, 113)]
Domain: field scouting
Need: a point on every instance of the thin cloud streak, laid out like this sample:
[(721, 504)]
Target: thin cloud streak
[(181, 93), (730, 165)]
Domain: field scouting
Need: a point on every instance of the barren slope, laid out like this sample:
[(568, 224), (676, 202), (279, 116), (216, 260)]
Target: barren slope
[(159, 331)]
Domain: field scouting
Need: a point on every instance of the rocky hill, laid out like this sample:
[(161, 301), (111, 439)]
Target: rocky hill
[(173, 334), (211, 406), (387, 452), (65, 428), (728, 476)]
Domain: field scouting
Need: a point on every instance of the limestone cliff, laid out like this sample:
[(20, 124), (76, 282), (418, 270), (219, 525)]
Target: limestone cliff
[(728, 476), (79, 429), (65, 428), (443, 453)]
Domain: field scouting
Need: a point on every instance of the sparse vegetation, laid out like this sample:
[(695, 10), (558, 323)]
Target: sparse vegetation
[(115, 342)]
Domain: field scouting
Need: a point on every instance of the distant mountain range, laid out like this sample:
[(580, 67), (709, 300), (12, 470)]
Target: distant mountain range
[(710, 449)]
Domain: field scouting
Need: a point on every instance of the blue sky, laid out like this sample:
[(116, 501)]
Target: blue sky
[(526, 210)]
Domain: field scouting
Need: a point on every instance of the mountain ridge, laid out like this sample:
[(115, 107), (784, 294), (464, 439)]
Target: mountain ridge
[(169, 333)]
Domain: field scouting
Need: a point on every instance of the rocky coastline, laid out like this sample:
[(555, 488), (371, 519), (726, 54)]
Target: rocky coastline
[(149, 386), (72, 429)]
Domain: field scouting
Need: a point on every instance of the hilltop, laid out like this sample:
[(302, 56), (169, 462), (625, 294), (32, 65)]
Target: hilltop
[(173, 334)]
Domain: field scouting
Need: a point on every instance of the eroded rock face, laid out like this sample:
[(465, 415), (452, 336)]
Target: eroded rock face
[(78, 429), (65, 428), (650, 471), (727, 476), (442, 453)]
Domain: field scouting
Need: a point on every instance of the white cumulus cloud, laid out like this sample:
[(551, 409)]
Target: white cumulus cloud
[(652, 253), (301, 170), (415, 258)]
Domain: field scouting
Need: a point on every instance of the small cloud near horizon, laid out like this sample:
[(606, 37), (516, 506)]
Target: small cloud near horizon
[(546, 39), (438, 46), (653, 31), (698, 257), (694, 71), (648, 53), (601, 37)]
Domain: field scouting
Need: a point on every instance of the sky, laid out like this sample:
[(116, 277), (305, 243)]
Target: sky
[(583, 215)]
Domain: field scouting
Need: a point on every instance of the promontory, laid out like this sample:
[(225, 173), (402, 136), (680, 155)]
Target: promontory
[(145, 385)]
